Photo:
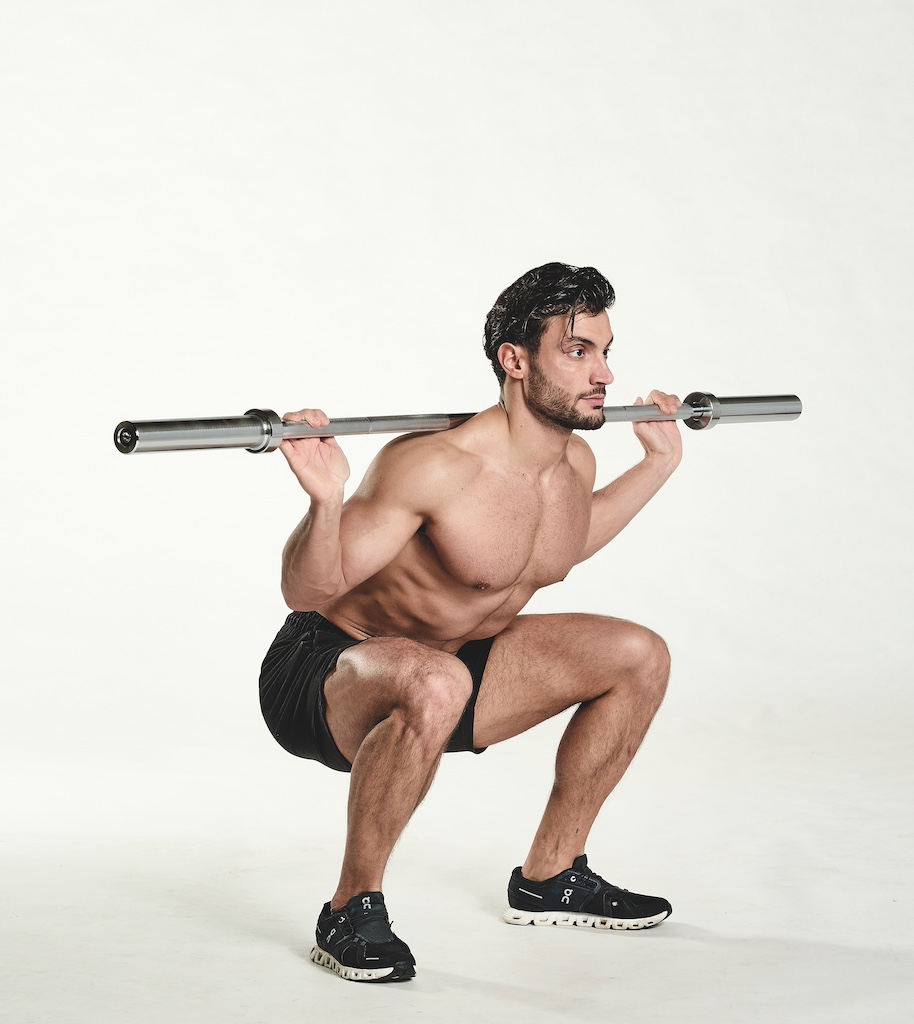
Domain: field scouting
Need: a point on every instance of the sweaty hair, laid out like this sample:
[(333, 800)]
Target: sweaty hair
[(556, 289)]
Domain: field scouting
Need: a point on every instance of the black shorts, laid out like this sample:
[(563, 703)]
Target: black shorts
[(292, 678)]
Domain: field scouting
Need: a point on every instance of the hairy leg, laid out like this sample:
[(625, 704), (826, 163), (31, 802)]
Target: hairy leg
[(542, 664), (392, 704)]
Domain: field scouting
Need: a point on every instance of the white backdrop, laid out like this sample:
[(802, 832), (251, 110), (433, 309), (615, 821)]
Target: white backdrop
[(208, 207)]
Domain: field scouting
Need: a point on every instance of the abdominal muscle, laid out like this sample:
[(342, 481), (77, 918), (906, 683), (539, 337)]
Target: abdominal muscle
[(444, 617), (419, 597)]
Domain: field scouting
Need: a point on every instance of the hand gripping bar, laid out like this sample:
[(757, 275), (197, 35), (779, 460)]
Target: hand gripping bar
[(261, 430)]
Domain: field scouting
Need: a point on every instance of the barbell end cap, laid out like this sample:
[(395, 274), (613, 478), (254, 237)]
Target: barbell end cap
[(125, 437), (272, 430)]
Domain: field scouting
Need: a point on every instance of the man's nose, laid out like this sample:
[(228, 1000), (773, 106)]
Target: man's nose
[(602, 374)]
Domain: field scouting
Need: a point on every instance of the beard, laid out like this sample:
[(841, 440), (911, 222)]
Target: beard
[(550, 403)]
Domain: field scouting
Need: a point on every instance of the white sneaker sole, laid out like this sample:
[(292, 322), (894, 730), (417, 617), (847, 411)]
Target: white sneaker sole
[(512, 916), (323, 959)]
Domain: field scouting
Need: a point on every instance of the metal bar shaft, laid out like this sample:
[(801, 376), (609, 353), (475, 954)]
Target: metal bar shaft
[(376, 425), (262, 430)]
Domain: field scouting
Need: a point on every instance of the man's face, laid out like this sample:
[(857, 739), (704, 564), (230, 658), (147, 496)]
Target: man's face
[(567, 380)]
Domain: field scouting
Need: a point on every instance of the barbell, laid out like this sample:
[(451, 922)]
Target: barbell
[(262, 430)]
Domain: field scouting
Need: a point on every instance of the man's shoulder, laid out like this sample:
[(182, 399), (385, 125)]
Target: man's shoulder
[(424, 464)]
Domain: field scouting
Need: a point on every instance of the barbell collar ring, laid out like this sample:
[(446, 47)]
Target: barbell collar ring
[(272, 430), (707, 410)]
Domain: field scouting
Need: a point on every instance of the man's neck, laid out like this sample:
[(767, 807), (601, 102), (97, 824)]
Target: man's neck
[(536, 444)]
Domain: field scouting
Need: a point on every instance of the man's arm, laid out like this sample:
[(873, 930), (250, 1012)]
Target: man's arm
[(616, 505), (339, 544)]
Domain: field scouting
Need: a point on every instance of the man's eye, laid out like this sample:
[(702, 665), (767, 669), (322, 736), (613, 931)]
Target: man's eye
[(577, 352)]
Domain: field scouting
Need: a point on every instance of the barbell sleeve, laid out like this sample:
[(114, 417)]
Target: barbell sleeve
[(262, 430), (701, 410)]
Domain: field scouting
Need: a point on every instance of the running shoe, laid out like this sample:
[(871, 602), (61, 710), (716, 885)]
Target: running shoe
[(357, 943), (579, 897)]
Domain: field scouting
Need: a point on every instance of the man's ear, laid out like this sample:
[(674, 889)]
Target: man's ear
[(513, 359)]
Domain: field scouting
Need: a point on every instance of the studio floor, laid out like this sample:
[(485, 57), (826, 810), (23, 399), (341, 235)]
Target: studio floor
[(141, 890)]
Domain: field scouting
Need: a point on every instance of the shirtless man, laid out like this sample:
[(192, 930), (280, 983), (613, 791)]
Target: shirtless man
[(406, 638)]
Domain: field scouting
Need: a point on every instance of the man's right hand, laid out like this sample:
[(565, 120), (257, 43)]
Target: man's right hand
[(318, 462)]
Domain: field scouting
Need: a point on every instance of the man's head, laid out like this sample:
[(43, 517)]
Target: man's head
[(523, 310)]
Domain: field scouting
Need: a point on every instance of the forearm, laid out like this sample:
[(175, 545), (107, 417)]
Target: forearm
[(312, 560), (616, 505)]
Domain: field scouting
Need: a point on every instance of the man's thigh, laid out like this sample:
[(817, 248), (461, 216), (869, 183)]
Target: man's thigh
[(381, 674), (543, 664)]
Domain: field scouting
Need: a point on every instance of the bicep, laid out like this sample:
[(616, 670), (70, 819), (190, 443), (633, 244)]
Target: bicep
[(600, 530)]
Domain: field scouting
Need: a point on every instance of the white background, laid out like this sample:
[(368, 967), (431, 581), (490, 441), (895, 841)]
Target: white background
[(212, 206)]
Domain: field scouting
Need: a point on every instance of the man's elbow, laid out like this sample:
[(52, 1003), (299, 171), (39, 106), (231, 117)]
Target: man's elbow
[(309, 598), (298, 603)]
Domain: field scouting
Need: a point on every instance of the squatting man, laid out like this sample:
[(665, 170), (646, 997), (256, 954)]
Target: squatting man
[(406, 638)]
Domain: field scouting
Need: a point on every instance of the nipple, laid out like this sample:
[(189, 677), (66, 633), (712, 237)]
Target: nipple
[(480, 586)]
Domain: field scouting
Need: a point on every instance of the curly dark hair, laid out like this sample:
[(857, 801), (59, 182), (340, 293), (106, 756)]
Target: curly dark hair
[(520, 313)]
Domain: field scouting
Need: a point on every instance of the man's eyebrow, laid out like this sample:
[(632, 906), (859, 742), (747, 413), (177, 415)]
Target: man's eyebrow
[(587, 341)]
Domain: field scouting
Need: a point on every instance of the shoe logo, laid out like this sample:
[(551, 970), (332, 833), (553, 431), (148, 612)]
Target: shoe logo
[(366, 903), (567, 897), (332, 933)]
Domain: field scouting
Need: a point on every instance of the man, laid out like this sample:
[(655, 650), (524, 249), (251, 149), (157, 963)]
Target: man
[(406, 638)]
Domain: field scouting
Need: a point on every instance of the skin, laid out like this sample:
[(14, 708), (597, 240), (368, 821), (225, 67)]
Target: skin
[(445, 540)]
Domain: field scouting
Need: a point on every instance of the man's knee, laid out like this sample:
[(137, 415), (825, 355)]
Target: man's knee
[(637, 658), (648, 658), (431, 693), (650, 649)]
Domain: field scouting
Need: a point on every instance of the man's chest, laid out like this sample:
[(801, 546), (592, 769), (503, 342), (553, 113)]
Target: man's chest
[(502, 536)]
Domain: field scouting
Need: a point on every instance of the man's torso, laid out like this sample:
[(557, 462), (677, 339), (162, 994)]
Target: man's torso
[(496, 537)]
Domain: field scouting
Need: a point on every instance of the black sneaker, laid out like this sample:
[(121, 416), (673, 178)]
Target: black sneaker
[(357, 943), (580, 897)]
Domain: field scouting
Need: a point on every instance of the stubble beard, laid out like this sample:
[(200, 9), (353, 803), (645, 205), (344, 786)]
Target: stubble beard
[(550, 403)]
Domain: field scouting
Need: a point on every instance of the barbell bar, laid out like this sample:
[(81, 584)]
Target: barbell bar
[(262, 430)]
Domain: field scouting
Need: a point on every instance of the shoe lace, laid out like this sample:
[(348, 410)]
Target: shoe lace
[(372, 925), (592, 876)]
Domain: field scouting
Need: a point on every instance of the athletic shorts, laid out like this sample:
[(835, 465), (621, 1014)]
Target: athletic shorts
[(292, 678)]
